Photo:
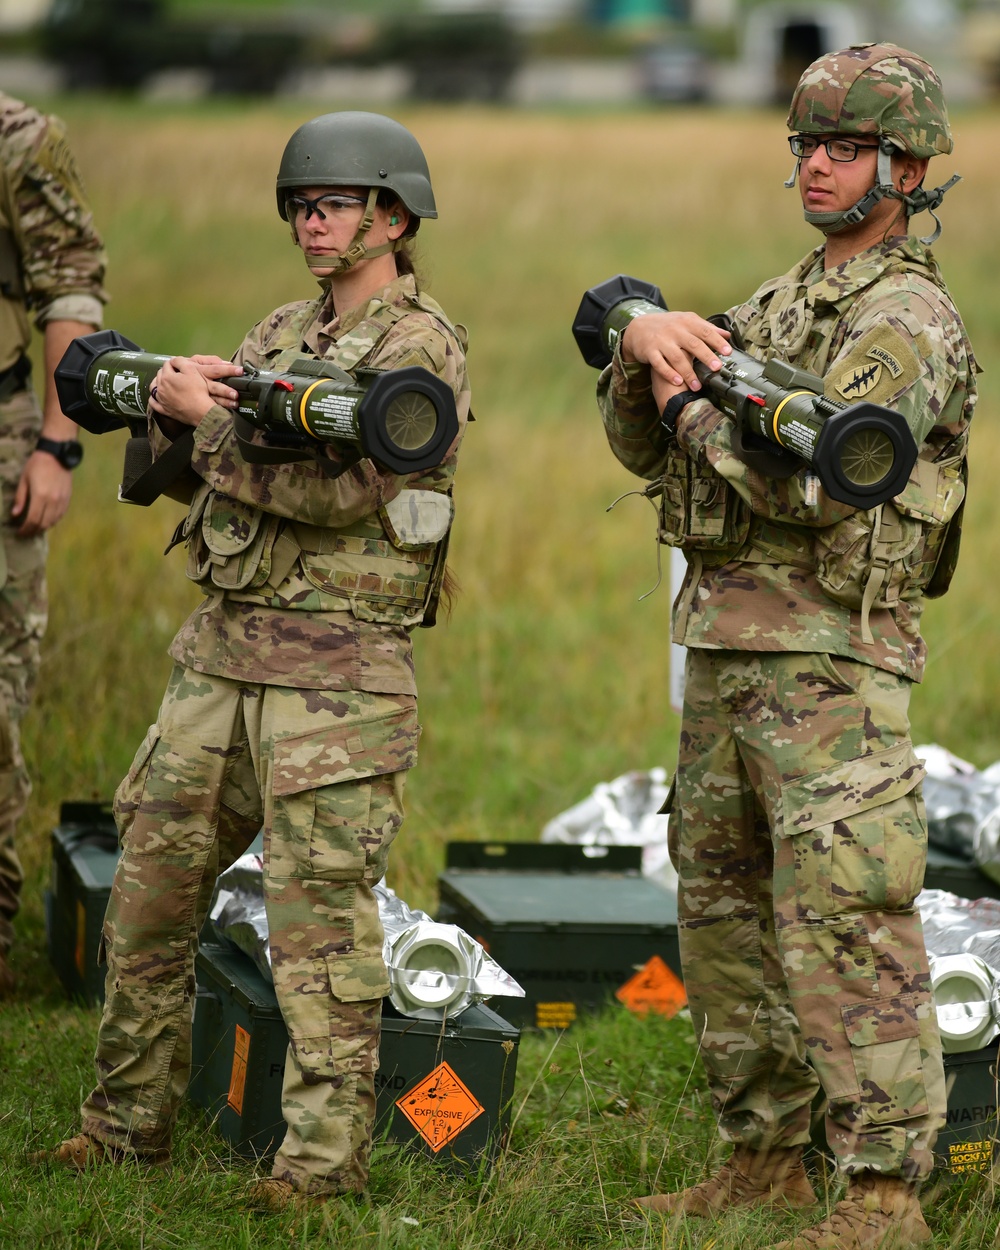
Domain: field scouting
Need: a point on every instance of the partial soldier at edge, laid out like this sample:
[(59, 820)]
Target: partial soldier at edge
[(51, 270)]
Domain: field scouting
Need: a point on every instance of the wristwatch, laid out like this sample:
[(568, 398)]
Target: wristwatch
[(672, 408), (69, 452)]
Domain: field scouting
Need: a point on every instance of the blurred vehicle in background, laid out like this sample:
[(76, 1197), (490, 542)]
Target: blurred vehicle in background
[(122, 43), (453, 56), (677, 72)]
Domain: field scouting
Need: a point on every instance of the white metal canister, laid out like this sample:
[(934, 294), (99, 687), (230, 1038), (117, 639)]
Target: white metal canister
[(965, 994), (430, 970)]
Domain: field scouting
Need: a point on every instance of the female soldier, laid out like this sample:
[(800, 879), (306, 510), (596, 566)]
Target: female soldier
[(292, 701)]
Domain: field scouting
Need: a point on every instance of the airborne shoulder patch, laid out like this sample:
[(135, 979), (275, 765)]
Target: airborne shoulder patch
[(879, 366)]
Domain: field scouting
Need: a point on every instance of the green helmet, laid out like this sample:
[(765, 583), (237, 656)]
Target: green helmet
[(875, 90), (357, 150)]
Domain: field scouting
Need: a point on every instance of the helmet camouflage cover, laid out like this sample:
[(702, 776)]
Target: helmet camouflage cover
[(874, 89)]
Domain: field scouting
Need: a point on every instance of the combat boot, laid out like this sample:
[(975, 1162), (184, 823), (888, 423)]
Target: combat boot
[(877, 1213), (7, 981), (750, 1178), (274, 1194), (84, 1152)]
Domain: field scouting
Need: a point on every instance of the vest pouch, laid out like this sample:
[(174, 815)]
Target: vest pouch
[(371, 577), (199, 557), (901, 542), (881, 543), (238, 539), (700, 511), (935, 494)]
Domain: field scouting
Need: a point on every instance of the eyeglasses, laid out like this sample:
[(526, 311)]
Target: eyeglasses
[(836, 149), (323, 205)]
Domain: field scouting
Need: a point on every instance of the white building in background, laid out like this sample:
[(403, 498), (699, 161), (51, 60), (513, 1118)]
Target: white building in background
[(778, 40)]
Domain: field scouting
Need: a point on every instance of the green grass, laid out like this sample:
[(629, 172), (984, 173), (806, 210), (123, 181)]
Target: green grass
[(550, 676)]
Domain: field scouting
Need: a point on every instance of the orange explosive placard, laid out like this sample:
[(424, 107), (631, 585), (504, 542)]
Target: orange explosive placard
[(439, 1107), (238, 1078), (653, 988)]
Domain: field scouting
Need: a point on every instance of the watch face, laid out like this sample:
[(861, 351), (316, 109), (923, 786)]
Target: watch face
[(71, 454)]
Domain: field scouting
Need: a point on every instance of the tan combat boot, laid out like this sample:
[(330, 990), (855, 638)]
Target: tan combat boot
[(84, 1152), (750, 1178), (274, 1194), (877, 1213)]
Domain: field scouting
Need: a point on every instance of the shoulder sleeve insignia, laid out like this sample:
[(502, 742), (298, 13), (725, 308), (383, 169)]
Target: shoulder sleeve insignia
[(878, 367)]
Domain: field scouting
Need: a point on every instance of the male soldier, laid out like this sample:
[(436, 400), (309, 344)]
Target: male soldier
[(51, 263), (797, 826), (292, 702)]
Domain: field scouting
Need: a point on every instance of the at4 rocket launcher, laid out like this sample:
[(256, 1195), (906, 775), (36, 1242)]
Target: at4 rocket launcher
[(862, 453), (404, 419)]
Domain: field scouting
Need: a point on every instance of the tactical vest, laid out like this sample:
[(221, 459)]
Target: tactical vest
[(902, 549), (387, 567)]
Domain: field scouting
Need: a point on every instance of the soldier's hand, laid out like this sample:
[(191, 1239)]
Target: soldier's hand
[(670, 343), (215, 369), (185, 388), (42, 495)]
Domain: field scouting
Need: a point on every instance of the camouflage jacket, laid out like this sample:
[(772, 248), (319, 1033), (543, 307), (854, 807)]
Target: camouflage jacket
[(315, 581), (51, 257), (767, 570)]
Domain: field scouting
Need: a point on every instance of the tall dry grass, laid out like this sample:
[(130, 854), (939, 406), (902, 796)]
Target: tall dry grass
[(549, 677)]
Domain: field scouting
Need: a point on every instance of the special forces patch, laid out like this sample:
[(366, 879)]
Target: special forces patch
[(860, 381), (879, 366)]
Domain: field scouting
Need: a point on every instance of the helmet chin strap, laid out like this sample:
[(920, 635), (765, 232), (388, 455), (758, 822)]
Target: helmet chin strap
[(355, 251), (917, 202)]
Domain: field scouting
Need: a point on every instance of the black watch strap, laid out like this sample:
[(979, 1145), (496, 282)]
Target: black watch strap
[(68, 452), (672, 408)]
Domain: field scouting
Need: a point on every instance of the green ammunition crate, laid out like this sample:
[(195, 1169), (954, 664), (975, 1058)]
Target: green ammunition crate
[(448, 1092), (84, 857), (572, 924), (959, 876), (968, 1141)]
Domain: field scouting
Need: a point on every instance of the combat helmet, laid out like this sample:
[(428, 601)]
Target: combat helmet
[(354, 149), (875, 90)]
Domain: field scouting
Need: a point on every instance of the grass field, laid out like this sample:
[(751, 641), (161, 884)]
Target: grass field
[(550, 676)]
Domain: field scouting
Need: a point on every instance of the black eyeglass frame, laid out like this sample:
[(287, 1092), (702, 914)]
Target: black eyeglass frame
[(856, 147)]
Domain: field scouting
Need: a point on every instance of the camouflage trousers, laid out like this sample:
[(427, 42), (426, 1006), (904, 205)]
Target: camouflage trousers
[(23, 616), (799, 836), (323, 773)]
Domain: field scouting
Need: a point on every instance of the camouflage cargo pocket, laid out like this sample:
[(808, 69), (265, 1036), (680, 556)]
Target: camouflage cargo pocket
[(885, 1045), (357, 978), (851, 837), (337, 806)]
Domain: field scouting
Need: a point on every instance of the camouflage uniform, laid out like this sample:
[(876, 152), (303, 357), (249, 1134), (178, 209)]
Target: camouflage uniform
[(291, 705), (52, 265), (798, 829)]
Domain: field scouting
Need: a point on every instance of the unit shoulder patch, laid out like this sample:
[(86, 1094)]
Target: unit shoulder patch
[(878, 367)]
